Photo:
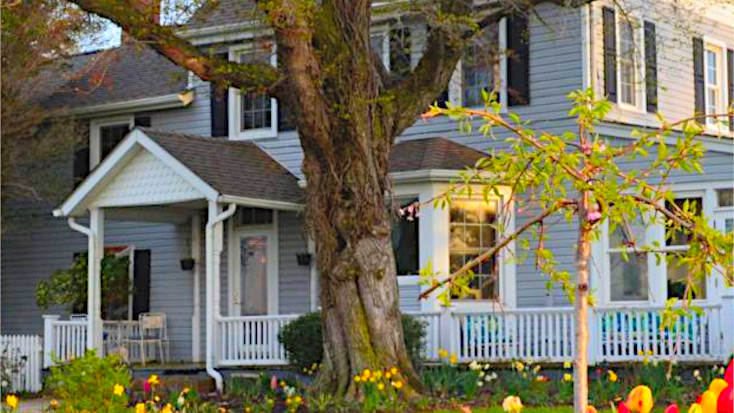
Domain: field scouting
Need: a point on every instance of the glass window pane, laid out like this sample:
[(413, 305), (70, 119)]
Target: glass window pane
[(110, 136), (725, 197), (479, 66), (628, 279), (627, 62), (729, 225), (625, 236), (711, 67), (678, 280), (678, 237), (405, 241), (255, 108), (471, 233)]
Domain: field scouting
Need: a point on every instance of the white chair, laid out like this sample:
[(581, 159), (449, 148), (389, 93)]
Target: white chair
[(153, 330)]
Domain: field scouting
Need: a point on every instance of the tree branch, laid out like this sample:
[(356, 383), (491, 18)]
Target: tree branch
[(563, 203), (136, 18)]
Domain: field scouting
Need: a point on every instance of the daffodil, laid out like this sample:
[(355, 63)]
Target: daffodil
[(167, 408), (568, 377), (388, 375), (12, 401), (140, 408), (443, 353), (153, 380), (397, 384), (394, 370), (612, 376), (366, 373), (453, 359), (380, 386), (567, 365), (118, 390), (54, 404), (357, 379), (519, 366)]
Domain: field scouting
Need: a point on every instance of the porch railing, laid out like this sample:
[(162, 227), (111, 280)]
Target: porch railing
[(63, 339), (22, 357), (629, 333), (252, 340)]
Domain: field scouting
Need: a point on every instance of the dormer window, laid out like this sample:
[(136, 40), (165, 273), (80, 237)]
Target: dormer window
[(252, 115)]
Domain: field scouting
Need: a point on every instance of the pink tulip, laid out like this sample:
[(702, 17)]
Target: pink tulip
[(146, 387), (672, 408)]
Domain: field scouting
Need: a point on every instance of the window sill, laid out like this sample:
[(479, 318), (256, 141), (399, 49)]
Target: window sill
[(254, 134)]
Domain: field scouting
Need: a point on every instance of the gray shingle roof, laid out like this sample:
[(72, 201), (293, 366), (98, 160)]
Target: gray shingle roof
[(223, 12), (234, 168), (131, 71), (432, 153)]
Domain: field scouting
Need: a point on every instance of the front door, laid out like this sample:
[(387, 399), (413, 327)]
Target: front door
[(254, 271)]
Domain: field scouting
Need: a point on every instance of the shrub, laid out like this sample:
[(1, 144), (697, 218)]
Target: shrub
[(88, 384), (303, 340)]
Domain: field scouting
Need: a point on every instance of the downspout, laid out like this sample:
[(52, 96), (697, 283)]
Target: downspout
[(212, 302), (90, 283)]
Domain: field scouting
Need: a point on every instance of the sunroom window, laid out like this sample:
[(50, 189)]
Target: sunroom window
[(628, 271), (676, 243), (472, 232)]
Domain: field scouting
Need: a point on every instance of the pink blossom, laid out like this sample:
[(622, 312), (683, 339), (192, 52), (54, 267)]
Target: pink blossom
[(593, 216), (273, 382)]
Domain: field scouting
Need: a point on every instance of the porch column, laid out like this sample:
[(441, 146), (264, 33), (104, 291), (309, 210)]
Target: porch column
[(94, 282), (196, 318)]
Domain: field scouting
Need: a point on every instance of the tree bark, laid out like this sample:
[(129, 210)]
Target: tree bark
[(581, 306)]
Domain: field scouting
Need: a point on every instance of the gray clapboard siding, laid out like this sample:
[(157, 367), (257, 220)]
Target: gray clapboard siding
[(294, 280), (409, 298), (194, 119)]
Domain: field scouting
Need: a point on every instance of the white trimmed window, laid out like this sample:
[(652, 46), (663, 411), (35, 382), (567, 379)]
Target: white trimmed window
[(252, 115), (676, 243), (105, 134), (714, 81), (480, 67), (472, 232), (628, 266), (630, 58)]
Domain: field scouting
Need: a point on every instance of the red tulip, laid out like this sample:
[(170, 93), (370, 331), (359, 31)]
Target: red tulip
[(698, 399), (725, 404), (622, 408), (672, 408)]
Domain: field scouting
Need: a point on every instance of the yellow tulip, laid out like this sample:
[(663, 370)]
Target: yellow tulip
[(512, 404), (167, 409), (12, 401), (717, 385), (695, 408), (140, 408), (708, 401), (640, 399)]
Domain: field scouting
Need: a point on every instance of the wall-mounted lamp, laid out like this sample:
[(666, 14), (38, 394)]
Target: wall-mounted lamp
[(304, 259), (187, 264)]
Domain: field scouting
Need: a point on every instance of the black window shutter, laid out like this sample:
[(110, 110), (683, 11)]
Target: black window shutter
[(219, 109), (443, 98), (81, 165), (142, 120), (651, 68), (141, 288), (610, 54), (698, 79), (518, 61), (730, 64), (400, 47)]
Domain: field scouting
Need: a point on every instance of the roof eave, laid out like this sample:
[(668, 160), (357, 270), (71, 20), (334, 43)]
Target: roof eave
[(170, 101)]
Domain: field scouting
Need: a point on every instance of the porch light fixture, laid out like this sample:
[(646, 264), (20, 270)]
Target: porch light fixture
[(187, 264), (304, 259)]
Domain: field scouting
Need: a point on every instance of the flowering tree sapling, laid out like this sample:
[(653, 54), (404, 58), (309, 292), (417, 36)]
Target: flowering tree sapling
[(580, 177)]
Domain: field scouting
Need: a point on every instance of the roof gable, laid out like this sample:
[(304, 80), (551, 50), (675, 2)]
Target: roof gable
[(432, 154)]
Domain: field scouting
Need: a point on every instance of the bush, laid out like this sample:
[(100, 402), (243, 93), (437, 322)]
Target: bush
[(88, 384), (303, 340)]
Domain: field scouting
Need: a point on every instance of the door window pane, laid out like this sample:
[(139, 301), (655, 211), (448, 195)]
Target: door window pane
[(472, 233), (254, 272)]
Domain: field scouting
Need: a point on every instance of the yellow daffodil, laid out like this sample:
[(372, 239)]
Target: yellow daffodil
[(118, 390), (453, 359), (443, 353), (282, 383), (512, 404), (612, 376), (366, 373), (12, 401), (567, 365), (299, 399), (54, 404), (394, 371), (167, 408), (388, 375), (357, 379), (568, 377), (397, 384), (153, 380), (519, 366), (380, 386), (372, 379), (377, 374), (248, 409), (140, 408)]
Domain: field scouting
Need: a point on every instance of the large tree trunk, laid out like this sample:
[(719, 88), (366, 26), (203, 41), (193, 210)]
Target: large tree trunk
[(581, 306)]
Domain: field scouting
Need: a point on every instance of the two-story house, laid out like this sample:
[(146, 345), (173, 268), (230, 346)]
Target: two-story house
[(174, 172)]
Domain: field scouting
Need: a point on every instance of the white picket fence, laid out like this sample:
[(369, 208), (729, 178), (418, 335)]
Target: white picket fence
[(252, 340), (22, 356)]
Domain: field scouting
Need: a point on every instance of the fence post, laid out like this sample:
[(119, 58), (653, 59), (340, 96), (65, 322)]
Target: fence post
[(725, 321), (445, 330), (593, 336), (48, 338)]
